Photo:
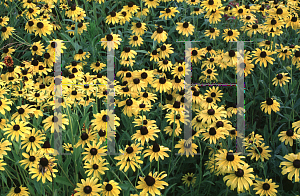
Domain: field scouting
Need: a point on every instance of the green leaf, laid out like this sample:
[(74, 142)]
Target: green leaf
[(62, 180), (280, 157), (169, 187)]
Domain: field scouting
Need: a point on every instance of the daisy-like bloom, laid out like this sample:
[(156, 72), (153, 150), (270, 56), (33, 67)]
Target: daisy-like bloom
[(18, 191), (168, 13), (197, 11), (30, 159), (211, 115), (162, 85), (253, 139), (37, 48), (288, 137), (129, 162), (2, 163), (42, 27), (110, 188), (292, 21), (296, 58), (207, 102), (151, 3), (6, 32), (165, 50), (106, 42), (214, 16), (23, 112), (210, 5), (4, 21), (130, 151), (240, 178), (160, 35), (138, 28), (259, 152), (136, 40), (179, 70), (7, 52), (4, 146), (186, 147), (152, 183), (51, 122), (125, 16), (81, 55), (273, 23), (209, 74), (128, 109), (32, 141), (102, 119), (54, 43), (95, 168), (185, 28), (86, 138), (97, 66), (154, 56), (73, 12), (94, 152), (16, 129), (291, 166), (189, 179), (145, 133), (253, 29), (214, 93), (213, 134), (113, 18), (239, 12), (266, 187), (44, 169), (128, 53), (165, 65), (269, 105), (88, 187), (283, 52), (281, 79), (131, 7), (263, 57), (68, 147), (156, 151), (296, 126), (212, 33), (230, 35), (228, 161)]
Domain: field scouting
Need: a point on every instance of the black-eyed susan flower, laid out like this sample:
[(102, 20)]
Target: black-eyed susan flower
[(136, 40), (165, 50), (212, 33), (240, 178), (151, 3), (16, 129), (269, 105), (37, 48), (296, 126), (162, 85), (152, 183), (51, 123), (145, 133), (213, 134), (23, 112), (4, 21), (86, 138), (30, 159), (230, 35), (44, 169), (185, 28), (42, 27), (160, 35), (266, 187), (281, 79), (156, 151), (105, 42), (18, 191), (128, 53), (110, 188), (125, 16), (68, 147), (95, 168), (259, 152), (4, 146), (189, 179), (228, 161), (138, 28), (210, 5), (113, 18), (6, 32), (291, 166), (214, 16), (168, 13), (94, 152), (88, 187), (186, 147), (274, 23), (32, 141), (263, 57), (132, 163), (288, 136)]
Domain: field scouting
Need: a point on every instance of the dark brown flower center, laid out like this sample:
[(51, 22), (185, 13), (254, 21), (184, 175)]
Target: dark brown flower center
[(138, 24), (113, 14), (263, 54), (16, 127), (231, 53), (156, 147), (44, 162), (185, 25), (31, 158), (129, 150), (159, 30), (296, 163), (239, 173), (129, 102), (149, 180), (109, 37), (31, 138), (162, 80), (93, 151), (266, 186), (212, 131), (84, 136), (144, 130), (269, 101), (230, 156), (108, 187), (290, 132), (40, 25), (87, 189), (230, 33)]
